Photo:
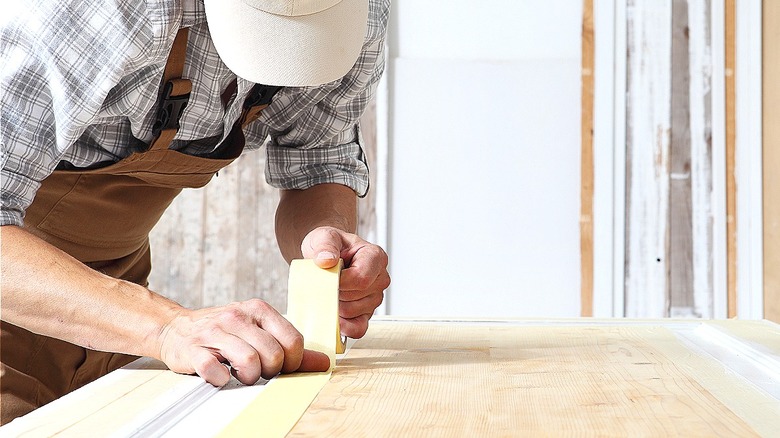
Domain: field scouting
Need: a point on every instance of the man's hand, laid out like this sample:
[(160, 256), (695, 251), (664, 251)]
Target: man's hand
[(251, 336), (363, 280)]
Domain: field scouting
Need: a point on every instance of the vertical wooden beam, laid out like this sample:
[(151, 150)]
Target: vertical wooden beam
[(680, 224), (700, 102), (731, 141), (771, 157), (648, 132), (586, 163)]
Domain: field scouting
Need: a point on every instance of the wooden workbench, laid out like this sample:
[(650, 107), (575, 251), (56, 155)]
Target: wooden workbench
[(477, 378)]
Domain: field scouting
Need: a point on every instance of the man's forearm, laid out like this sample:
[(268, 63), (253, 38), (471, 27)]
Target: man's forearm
[(301, 211), (48, 292)]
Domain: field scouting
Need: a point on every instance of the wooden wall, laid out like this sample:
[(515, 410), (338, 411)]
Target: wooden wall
[(216, 245), (669, 196)]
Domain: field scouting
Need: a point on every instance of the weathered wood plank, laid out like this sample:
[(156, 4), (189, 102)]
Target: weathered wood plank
[(700, 101), (648, 133), (177, 250), (221, 233), (680, 227)]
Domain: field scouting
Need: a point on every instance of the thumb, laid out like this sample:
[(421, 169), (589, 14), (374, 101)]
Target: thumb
[(324, 246)]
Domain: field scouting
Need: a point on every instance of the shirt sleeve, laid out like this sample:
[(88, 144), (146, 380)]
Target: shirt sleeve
[(59, 64), (315, 131)]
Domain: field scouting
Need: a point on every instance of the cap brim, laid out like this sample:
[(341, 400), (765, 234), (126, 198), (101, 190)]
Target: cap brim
[(288, 51)]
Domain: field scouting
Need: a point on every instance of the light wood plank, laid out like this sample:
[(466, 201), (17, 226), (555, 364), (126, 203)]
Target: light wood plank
[(476, 380), (586, 162), (731, 142), (771, 152)]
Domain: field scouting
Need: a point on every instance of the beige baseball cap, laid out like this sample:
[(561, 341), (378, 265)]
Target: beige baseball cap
[(288, 42)]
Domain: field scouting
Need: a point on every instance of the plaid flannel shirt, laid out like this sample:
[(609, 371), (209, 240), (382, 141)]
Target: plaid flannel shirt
[(79, 81)]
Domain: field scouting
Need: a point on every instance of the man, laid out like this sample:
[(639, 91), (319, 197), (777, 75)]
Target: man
[(109, 109)]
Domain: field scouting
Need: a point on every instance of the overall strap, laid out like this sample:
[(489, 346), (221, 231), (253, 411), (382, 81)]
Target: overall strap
[(175, 94)]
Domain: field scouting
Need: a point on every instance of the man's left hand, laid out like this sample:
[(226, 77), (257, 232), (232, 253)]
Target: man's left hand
[(363, 280)]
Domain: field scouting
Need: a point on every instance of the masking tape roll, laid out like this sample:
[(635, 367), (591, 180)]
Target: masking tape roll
[(312, 307)]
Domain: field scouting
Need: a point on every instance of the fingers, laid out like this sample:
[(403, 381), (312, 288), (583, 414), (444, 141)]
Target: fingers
[(356, 327), (314, 361), (252, 337), (207, 366), (362, 282), (324, 246)]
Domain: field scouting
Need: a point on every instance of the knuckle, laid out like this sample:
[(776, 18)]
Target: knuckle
[(384, 282), (362, 281), (296, 342), (201, 364), (378, 300), (232, 315), (277, 358), (245, 359), (361, 330)]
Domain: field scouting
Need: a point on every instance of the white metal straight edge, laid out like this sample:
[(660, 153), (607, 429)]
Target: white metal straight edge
[(754, 363), (750, 290), (603, 158), (718, 122)]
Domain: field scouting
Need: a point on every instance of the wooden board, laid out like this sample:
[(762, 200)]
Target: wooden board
[(771, 152), (731, 142), (586, 162), (477, 378), (680, 220), (418, 379)]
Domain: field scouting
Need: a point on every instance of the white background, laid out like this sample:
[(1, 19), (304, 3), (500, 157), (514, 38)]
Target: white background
[(484, 158)]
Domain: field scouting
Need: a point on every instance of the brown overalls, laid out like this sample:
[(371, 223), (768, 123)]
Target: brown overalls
[(103, 217)]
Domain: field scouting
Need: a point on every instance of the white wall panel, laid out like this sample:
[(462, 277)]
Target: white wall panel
[(485, 163), (487, 29)]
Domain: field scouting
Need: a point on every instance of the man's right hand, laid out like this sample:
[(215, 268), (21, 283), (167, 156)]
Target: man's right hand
[(250, 336)]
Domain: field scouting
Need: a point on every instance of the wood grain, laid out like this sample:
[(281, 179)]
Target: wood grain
[(680, 223), (731, 142), (417, 379), (771, 158), (471, 378), (586, 162)]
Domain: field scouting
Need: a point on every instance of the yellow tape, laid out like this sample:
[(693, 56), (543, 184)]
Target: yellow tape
[(312, 307)]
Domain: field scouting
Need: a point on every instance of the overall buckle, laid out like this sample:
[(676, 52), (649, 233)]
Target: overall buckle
[(260, 95), (171, 107)]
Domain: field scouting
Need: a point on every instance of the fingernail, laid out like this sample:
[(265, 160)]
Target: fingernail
[(326, 255)]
